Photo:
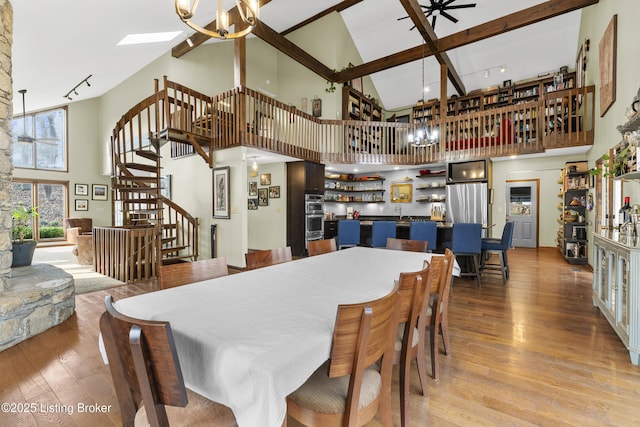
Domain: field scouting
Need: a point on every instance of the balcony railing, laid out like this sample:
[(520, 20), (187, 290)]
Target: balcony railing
[(242, 116)]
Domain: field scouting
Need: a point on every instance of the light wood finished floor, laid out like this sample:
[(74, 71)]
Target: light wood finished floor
[(533, 352)]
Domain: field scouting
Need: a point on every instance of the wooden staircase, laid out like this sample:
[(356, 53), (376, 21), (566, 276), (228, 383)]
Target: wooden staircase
[(137, 200)]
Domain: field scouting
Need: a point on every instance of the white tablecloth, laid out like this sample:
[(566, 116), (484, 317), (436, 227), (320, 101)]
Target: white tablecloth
[(248, 340)]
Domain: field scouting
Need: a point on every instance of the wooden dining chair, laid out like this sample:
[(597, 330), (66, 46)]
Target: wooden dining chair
[(350, 388), (319, 247), (265, 258), (413, 294), (407, 245), (146, 373), (438, 306), (182, 273)]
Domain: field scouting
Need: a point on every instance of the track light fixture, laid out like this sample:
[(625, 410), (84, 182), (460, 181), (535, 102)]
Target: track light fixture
[(74, 90)]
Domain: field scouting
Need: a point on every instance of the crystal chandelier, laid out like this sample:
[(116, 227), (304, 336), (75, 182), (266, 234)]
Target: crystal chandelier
[(423, 137), (247, 9)]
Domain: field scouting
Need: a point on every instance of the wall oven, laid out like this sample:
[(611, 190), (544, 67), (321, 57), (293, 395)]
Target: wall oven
[(313, 204), (314, 217)]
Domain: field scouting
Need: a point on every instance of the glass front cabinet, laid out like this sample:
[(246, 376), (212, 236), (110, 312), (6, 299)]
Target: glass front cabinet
[(616, 287)]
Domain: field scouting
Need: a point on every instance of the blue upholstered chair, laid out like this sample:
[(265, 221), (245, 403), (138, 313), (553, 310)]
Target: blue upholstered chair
[(348, 233), (466, 241), (499, 246), (425, 230), (380, 231)]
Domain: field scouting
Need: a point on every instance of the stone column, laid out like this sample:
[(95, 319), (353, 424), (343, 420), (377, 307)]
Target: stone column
[(6, 112)]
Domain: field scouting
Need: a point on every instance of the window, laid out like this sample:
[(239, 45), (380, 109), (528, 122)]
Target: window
[(51, 199), (40, 140)]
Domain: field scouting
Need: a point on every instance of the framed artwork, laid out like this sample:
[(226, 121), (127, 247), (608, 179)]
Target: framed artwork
[(608, 66), (253, 189), (263, 197), (82, 205), (165, 186), (316, 107), (265, 179), (99, 192), (506, 83), (81, 190), (253, 204), (274, 192), (221, 193)]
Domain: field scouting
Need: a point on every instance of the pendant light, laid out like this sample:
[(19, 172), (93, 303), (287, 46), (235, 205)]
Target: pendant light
[(24, 137)]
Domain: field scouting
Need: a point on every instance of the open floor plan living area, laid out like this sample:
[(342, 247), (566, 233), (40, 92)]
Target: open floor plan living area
[(272, 213)]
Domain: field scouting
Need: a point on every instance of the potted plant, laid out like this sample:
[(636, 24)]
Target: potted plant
[(23, 244), (615, 166)]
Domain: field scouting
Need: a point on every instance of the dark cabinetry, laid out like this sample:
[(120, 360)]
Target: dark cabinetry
[(302, 178), (572, 235), (330, 229)]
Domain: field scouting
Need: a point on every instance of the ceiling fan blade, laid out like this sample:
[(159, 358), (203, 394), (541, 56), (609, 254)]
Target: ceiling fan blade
[(400, 19), (433, 21), (461, 6), (449, 17)]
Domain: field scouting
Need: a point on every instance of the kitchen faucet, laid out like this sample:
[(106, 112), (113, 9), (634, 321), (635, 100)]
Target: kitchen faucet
[(399, 211)]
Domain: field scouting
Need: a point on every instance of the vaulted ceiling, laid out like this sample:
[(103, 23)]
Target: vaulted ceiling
[(59, 43)]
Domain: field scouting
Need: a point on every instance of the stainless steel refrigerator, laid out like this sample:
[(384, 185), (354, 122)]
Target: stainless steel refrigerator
[(468, 203)]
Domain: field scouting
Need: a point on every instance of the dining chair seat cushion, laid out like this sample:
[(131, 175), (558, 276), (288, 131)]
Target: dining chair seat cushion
[(198, 412), (400, 336), (329, 395)]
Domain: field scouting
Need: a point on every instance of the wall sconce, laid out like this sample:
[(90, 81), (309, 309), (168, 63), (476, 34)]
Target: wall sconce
[(254, 167)]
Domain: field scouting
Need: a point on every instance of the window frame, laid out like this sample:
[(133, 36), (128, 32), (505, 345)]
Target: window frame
[(34, 202), (64, 133)]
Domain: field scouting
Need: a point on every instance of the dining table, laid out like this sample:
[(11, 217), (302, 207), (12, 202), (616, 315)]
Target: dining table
[(248, 340)]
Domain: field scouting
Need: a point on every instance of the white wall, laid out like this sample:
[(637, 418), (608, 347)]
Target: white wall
[(267, 226)]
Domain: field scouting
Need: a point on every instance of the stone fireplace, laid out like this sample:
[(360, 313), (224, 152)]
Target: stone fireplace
[(34, 298)]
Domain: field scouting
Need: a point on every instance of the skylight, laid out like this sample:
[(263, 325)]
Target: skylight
[(148, 38)]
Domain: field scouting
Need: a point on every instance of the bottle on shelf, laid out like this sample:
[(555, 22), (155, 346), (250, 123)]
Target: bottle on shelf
[(624, 212)]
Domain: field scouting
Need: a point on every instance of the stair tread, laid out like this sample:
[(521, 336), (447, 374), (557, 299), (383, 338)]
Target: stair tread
[(142, 167), (137, 178), (148, 154)]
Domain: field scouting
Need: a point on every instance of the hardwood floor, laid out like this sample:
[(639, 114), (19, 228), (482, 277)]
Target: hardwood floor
[(533, 352)]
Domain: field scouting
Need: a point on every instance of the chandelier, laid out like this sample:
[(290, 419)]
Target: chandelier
[(247, 9), (423, 137)]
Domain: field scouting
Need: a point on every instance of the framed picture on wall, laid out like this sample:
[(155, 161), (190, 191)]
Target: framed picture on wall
[(265, 179), (221, 193), (274, 192), (99, 192), (253, 189), (81, 190), (608, 66), (82, 205), (252, 204), (263, 197)]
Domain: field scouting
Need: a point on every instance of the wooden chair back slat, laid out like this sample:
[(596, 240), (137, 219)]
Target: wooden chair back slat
[(151, 343), (407, 245), (347, 330), (259, 259), (179, 274), (318, 247)]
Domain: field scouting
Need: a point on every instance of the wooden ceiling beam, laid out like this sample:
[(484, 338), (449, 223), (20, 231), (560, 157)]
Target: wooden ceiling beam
[(513, 21), (284, 45), (197, 39), (337, 8), (431, 39)]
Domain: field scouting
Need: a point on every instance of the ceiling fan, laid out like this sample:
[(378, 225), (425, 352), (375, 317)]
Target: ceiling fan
[(440, 7), (24, 137)]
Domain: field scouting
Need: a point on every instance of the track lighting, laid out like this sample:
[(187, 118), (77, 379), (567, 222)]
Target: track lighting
[(74, 90)]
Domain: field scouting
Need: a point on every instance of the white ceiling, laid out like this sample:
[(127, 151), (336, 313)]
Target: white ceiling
[(57, 43)]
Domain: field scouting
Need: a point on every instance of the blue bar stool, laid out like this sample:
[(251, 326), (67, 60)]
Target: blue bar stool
[(466, 241), (348, 233), (499, 246), (380, 230), (425, 230)]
